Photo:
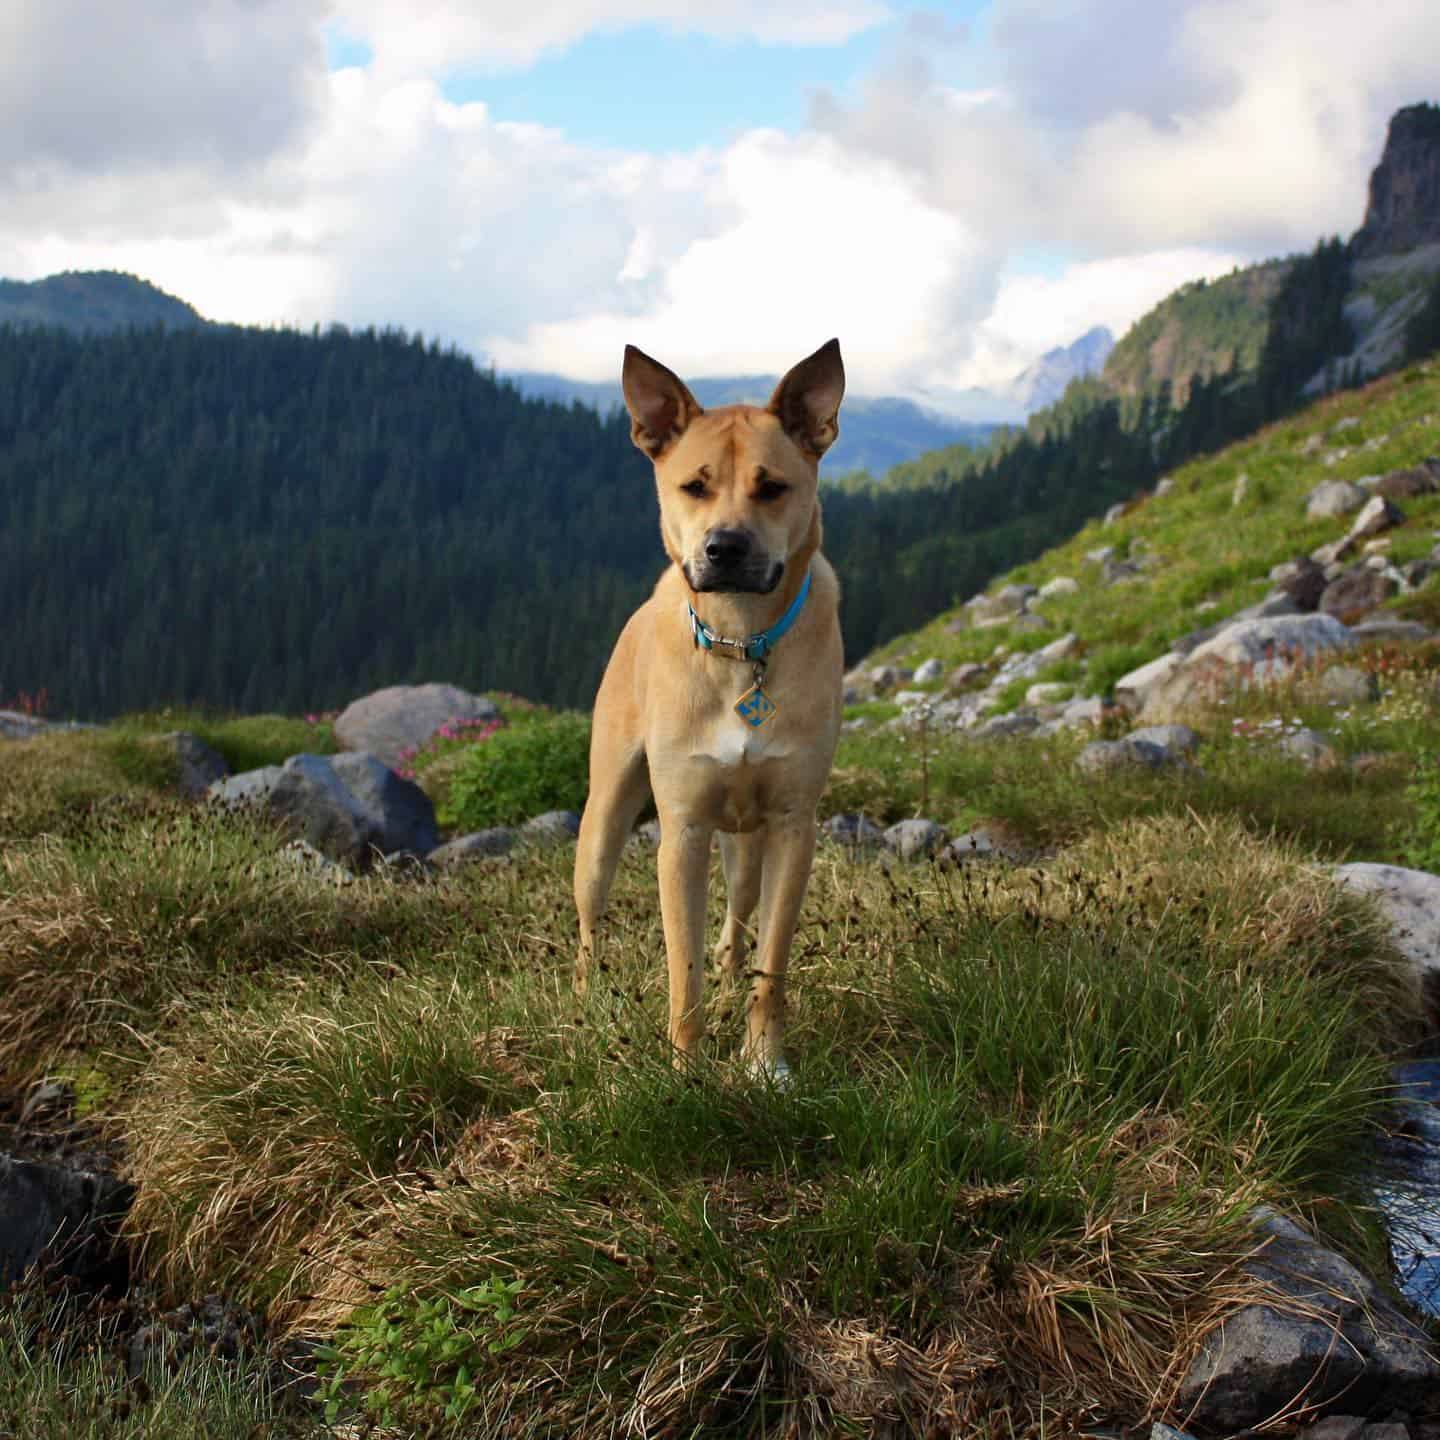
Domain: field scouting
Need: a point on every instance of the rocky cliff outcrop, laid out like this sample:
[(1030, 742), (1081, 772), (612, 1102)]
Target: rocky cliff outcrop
[(1404, 207)]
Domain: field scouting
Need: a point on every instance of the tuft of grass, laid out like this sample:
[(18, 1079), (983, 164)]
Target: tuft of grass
[(1007, 1187)]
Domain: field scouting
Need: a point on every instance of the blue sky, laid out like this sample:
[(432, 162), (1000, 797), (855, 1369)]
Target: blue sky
[(656, 88)]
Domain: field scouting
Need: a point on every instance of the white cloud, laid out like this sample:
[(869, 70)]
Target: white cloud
[(429, 36)]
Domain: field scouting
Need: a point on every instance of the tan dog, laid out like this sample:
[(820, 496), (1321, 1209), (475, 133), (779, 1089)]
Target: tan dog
[(740, 518)]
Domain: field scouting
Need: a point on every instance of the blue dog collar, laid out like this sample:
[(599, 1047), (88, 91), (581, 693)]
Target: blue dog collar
[(757, 647)]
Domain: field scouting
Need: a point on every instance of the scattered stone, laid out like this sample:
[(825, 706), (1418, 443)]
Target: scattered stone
[(1348, 423), (1327, 555), (1391, 630), (1048, 692), (1117, 572), (1028, 621), (1278, 603), (66, 1222), (914, 839), (1178, 742), (404, 717), (200, 766), (214, 1327), (1103, 756), (1008, 601), (302, 855), (1311, 748), (1333, 498), (554, 827), (1240, 490), (1005, 726), (249, 790), (1061, 585), (1378, 514), (909, 699), (1088, 710), (1164, 487), (1357, 592), (981, 843), (1339, 685), (1304, 584), (477, 845), (963, 676), (956, 624), (1114, 513), (929, 672), (647, 834), (1373, 548), (887, 677), (1416, 572), (1134, 689), (855, 832), (1410, 901), (1100, 555), (1334, 1333), (1422, 479)]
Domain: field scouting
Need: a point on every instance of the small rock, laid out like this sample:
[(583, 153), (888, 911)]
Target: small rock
[(554, 827), (1061, 585), (1391, 630), (1132, 690), (1333, 498), (403, 717), (1100, 555), (929, 672), (1311, 748), (477, 845), (1050, 692), (1088, 710), (1378, 514), (200, 765), (1177, 741), (1410, 901), (647, 834), (977, 844), (887, 677), (1117, 572), (1305, 583), (67, 1222), (302, 855), (1339, 685), (1102, 756), (1408, 484), (1114, 513), (914, 839), (855, 832), (1336, 551), (1240, 490), (214, 1327), (1163, 487), (1004, 726), (1356, 593), (963, 676)]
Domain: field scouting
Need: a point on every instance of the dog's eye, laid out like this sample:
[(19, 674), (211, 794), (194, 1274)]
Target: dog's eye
[(694, 487), (769, 489)]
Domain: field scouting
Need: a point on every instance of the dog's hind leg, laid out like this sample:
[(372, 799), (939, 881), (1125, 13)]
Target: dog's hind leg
[(742, 855), (619, 788)]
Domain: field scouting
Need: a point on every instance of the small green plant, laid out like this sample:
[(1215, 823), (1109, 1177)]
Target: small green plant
[(521, 772), (1420, 845), (415, 1360)]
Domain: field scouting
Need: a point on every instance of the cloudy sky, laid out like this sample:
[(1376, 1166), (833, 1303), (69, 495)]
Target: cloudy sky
[(951, 189)]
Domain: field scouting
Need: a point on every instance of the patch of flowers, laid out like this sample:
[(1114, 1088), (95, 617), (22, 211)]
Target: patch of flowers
[(454, 734)]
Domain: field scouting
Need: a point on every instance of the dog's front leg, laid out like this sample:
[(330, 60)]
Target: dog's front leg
[(789, 854), (684, 866)]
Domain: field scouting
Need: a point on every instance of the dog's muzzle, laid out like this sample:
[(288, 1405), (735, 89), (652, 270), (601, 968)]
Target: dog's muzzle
[(729, 560)]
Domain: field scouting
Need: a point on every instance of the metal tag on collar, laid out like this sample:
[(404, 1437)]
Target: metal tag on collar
[(755, 707)]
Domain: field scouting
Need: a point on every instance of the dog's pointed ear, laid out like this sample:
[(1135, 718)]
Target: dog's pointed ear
[(807, 400), (659, 404)]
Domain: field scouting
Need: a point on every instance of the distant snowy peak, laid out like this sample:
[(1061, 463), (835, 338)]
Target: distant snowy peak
[(1043, 382)]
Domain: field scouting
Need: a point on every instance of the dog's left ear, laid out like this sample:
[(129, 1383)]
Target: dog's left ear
[(660, 404), (807, 399)]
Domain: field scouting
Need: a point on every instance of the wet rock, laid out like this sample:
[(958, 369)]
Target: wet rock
[(1333, 1334)]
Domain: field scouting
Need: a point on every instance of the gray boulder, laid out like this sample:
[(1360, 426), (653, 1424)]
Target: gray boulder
[(477, 845), (351, 808), (914, 839), (1000, 727), (66, 1222), (1275, 639), (1410, 901), (200, 766), (1134, 689), (855, 832), (1330, 1333), (554, 827), (1102, 757), (1179, 742), (1311, 748), (404, 717), (1333, 498)]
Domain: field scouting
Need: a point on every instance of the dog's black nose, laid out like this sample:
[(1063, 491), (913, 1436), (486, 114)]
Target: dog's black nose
[(726, 548)]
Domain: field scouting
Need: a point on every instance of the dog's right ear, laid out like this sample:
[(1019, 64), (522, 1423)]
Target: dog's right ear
[(659, 404)]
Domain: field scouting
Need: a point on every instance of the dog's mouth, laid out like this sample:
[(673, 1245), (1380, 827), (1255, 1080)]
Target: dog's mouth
[(709, 579)]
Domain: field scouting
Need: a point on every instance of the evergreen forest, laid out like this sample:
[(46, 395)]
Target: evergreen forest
[(277, 520)]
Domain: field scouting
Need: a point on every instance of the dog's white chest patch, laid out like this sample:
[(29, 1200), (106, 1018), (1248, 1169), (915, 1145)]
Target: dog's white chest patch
[(730, 742)]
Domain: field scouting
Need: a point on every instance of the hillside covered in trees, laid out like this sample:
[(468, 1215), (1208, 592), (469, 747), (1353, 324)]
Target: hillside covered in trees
[(270, 519)]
